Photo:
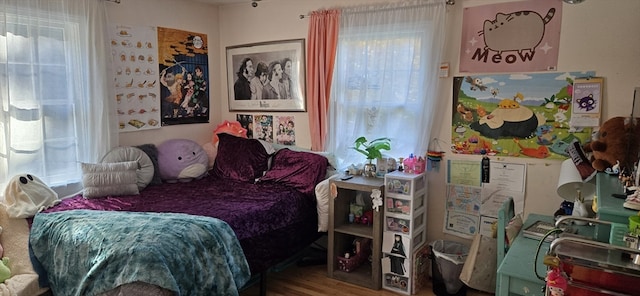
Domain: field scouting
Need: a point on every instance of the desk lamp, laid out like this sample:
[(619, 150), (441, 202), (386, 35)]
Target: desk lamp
[(571, 187)]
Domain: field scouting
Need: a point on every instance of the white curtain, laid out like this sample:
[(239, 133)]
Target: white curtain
[(386, 77), (54, 89)]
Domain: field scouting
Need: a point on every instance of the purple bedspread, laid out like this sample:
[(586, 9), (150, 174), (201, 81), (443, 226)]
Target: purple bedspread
[(272, 221)]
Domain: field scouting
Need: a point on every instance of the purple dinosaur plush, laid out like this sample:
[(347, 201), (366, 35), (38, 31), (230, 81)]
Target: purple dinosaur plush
[(181, 160)]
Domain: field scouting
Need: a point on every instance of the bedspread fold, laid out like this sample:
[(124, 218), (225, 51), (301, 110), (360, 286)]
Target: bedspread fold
[(87, 252)]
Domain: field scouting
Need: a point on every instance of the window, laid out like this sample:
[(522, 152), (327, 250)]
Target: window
[(384, 85), (46, 94)]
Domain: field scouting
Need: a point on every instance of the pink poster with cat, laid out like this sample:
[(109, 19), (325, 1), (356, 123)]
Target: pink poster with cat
[(521, 36)]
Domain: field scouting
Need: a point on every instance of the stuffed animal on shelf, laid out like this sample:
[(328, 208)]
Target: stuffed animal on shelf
[(617, 140), (181, 160)]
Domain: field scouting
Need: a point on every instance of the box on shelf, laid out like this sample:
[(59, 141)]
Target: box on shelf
[(361, 253)]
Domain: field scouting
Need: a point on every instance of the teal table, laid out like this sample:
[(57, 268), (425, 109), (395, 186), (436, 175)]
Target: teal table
[(610, 208), (515, 274)]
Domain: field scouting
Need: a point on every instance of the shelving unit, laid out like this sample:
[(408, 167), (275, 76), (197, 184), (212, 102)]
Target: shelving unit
[(343, 234), (404, 231)]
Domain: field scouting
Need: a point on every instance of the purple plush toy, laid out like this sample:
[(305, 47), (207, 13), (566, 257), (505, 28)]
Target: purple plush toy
[(181, 160)]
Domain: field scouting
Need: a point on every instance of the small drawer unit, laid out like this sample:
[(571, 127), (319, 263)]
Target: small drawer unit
[(404, 230)]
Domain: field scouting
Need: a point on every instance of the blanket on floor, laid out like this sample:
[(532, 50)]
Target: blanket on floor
[(87, 252)]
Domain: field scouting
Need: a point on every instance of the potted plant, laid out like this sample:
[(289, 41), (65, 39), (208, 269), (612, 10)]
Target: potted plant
[(371, 150)]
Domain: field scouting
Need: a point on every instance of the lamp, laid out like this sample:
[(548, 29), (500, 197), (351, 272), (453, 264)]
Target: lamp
[(571, 187)]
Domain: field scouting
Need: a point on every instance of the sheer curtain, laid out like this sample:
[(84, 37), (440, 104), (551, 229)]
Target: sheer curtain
[(54, 87), (386, 77)]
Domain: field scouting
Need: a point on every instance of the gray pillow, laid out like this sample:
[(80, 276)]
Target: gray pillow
[(144, 169), (104, 179)]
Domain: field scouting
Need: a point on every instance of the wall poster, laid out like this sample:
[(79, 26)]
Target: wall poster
[(135, 55), (520, 36), (518, 115), (588, 103), (267, 76), (184, 76)]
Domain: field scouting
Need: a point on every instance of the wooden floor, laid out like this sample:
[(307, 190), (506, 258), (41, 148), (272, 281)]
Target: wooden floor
[(313, 280)]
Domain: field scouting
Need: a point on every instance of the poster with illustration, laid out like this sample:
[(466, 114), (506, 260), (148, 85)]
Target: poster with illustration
[(134, 53), (588, 102), (395, 246), (246, 121), (286, 132), (520, 36), (263, 127), (183, 76), (518, 115)]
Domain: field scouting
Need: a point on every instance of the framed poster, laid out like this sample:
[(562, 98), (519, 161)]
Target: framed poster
[(267, 76)]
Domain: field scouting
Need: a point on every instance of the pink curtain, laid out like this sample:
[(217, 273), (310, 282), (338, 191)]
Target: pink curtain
[(321, 53)]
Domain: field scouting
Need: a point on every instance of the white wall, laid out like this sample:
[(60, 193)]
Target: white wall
[(603, 36)]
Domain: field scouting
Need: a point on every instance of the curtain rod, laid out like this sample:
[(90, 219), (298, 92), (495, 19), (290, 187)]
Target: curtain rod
[(302, 16), (114, 1)]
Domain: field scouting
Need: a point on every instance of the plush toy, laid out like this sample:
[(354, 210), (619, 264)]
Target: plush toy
[(617, 140), (181, 160), (26, 195), (5, 272), (1, 248), (556, 282)]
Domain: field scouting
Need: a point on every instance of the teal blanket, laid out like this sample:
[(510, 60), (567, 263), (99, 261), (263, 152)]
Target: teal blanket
[(88, 252)]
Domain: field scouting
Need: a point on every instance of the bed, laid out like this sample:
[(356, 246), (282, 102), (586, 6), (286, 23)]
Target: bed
[(271, 218)]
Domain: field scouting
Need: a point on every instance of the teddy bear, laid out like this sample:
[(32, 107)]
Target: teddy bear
[(617, 141)]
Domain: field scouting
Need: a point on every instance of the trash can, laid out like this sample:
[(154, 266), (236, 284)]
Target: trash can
[(447, 260)]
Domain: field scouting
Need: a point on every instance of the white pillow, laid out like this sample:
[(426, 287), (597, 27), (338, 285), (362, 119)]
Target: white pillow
[(322, 205), (144, 166), (104, 179)]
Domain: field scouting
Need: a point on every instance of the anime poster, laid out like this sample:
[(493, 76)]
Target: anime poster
[(519, 115), (183, 76), (285, 133), (521, 36), (263, 127), (136, 87), (246, 121)]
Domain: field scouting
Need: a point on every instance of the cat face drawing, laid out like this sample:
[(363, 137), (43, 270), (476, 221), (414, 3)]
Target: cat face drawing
[(517, 31), (587, 103)]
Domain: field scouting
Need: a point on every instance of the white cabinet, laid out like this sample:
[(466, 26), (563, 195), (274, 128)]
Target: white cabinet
[(404, 230)]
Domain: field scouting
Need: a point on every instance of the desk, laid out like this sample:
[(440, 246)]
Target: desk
[(515, 273), (610, 208)]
